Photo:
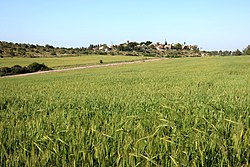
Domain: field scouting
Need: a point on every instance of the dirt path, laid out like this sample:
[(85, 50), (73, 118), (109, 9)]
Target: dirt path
[(86, 67)]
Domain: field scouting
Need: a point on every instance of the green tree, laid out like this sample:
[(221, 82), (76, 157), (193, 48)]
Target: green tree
[(148, 43), (220, 52), (178, 46), (237, 52), (165, 42), (246, 51), (49, 46)]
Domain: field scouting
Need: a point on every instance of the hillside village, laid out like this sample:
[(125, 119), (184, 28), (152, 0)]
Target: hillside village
[(134, 46)]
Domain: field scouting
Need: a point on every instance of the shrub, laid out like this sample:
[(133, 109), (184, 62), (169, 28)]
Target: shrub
[(53, 53), (4, 71), (17, 69), (37, 67)]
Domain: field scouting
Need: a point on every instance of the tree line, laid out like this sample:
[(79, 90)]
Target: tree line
[(147, 48), (237, 52)]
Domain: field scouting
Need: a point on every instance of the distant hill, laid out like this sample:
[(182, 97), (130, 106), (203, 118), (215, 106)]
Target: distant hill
[(148, 48)]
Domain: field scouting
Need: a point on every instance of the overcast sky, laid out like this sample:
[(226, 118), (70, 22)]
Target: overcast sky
[(211, 24)]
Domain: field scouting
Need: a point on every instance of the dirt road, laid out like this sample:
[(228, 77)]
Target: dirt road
[(87, 67)]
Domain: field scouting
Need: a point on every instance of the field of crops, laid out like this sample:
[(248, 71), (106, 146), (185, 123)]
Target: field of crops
[(61, 62), (175, 112)]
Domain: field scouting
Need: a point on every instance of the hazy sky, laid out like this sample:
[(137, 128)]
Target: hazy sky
[(211, 24)]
